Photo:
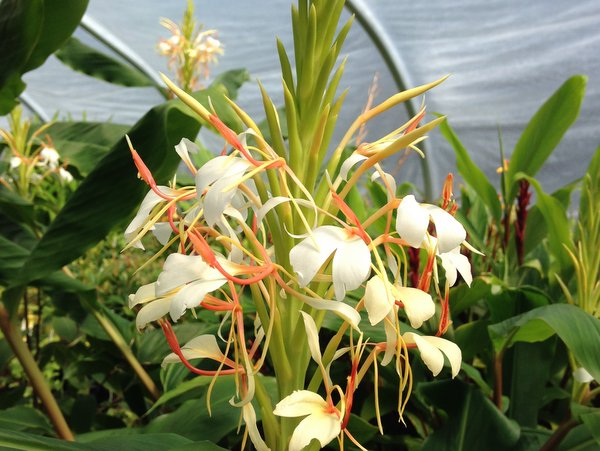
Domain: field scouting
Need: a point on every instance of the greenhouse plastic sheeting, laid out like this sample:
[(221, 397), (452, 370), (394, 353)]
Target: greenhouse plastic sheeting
[(505, 58)]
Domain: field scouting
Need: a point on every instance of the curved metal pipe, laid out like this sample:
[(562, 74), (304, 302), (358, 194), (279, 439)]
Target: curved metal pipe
[(98, 31), (397, 68), (34, 107)]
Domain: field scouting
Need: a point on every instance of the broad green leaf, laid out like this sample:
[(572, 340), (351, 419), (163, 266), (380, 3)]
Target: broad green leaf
[(30, 31), (592, 421), (472, 421), (12, 259), (20, 25), (557, 223), (536, 229), (472, 174), (25, 419), (532, 439), (199, 446), (90, 61), (84, 144), (139, 442), (191, 419), (529, 367), (10, 439), (579, 331), (580, 439), (183, 388), (15, 208), (544, 131)]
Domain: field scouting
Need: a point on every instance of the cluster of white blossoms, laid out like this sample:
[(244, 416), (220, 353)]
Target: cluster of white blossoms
[(250, 222), (190, 54), (47, 160)]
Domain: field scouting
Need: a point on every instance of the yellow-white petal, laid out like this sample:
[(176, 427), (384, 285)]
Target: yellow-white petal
[(180, 269), (344, 311), (250, 419), (379, 299), (201, 347), (184, 148), (144, 294), (306, 257), (453, 261), (300, 403), (320, 425), (192, 294), (450, 233), (351, 266), (432, 351), (150, 201), (349, 164), (312, 336), (152, 311), (418, 305), (411, 221)]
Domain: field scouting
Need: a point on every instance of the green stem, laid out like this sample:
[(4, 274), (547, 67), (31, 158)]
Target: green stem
[(34, 374), (120, 343), (269, 421)]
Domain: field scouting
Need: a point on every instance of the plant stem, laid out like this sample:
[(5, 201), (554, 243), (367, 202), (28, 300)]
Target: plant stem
[(559, 434), (498, 379), (34, 374), (119, 342)]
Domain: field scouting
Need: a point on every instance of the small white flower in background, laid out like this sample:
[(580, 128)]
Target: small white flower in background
[(412, 221), (380, 297), (65, 175), (582, 375), (323, 421), (15, 162), (49, 157), (351, 262), (432, 351)]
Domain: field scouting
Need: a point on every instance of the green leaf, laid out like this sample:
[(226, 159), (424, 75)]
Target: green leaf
[(592, 422), (139, 442), (12, 259), (25, 419), (30, 31), (557, 223), (473, 422), (579, 330), (31, 442), (472, 174), (112, 191), (579, 438), (183, 388), (591, 191), (84, 144), (529, 367), (88, 60), (545, 130)]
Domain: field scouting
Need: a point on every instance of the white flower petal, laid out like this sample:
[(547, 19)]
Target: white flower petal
[(450, 233), (391, 336), (379, 299), (312, 336), (344, 311), (184, 148), (452, 351), (217, 168), (418, 305), (306, 258), (411, 221), (321, 426), (202, 347), (180, 269), (390, 181), (152, 311), (162, 231), (582, 375), (300, 403), (349, 163), (431, 349), (150, 201), (250, 419), (351, 266), (143, 294), (217, 200), (431, 355), (15, 162), (192, 295)]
